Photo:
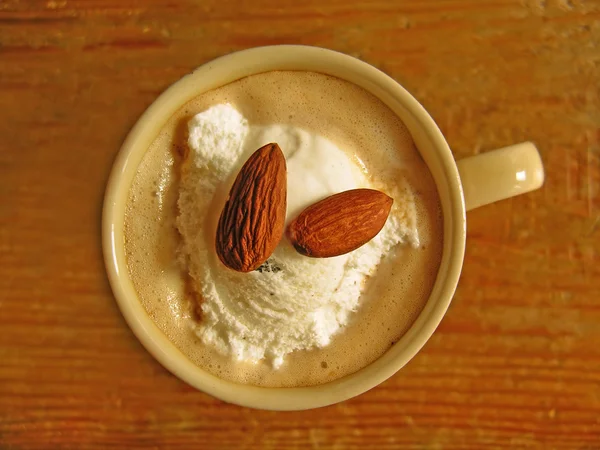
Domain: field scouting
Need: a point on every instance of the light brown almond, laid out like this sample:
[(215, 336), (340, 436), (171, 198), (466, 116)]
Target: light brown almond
[(252, 221), (340, 223)]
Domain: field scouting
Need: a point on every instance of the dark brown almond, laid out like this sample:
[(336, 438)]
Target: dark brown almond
[(340, 223), (252, 221)]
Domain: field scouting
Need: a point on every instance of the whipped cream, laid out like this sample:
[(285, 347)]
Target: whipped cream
[(292, 302)]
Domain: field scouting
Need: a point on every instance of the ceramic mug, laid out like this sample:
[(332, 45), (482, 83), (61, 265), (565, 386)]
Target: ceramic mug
[(461, 185)]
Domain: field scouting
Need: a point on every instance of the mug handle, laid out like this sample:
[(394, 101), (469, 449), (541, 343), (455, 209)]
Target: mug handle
[(500, 174)]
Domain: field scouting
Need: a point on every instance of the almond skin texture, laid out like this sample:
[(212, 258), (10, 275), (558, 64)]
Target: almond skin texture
[(252, 221), (340, 223)]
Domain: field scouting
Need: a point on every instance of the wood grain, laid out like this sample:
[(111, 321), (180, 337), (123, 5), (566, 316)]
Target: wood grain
[(516, 362)]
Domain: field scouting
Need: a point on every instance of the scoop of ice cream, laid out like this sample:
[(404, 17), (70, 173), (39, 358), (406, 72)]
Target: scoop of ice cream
[(292, 302)]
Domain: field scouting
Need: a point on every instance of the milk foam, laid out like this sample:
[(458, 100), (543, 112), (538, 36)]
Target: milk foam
[(373, 138), (294, 302)]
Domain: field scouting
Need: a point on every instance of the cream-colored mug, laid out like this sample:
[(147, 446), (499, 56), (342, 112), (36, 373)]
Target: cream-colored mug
[(462, 185)]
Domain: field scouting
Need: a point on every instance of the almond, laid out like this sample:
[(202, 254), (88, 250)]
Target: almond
[(252, 221), (340, 223)]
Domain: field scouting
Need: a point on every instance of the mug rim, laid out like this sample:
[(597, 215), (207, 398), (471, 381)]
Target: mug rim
[(244, 63)]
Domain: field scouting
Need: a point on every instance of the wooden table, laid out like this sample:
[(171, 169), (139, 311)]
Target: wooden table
[(515, 363)]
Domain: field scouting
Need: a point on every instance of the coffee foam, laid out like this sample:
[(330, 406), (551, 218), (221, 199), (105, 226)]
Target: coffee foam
[(375, 138)]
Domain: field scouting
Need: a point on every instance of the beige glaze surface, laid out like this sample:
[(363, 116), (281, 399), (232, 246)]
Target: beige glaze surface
[(432, 148)]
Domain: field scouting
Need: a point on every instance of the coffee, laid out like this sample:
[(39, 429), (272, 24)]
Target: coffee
[(374, 138)]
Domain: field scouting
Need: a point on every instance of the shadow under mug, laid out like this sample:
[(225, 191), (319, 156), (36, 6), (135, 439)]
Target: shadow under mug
[(461, 185)]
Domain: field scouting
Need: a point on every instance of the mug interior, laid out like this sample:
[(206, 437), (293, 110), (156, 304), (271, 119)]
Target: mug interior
[(432, 147)]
